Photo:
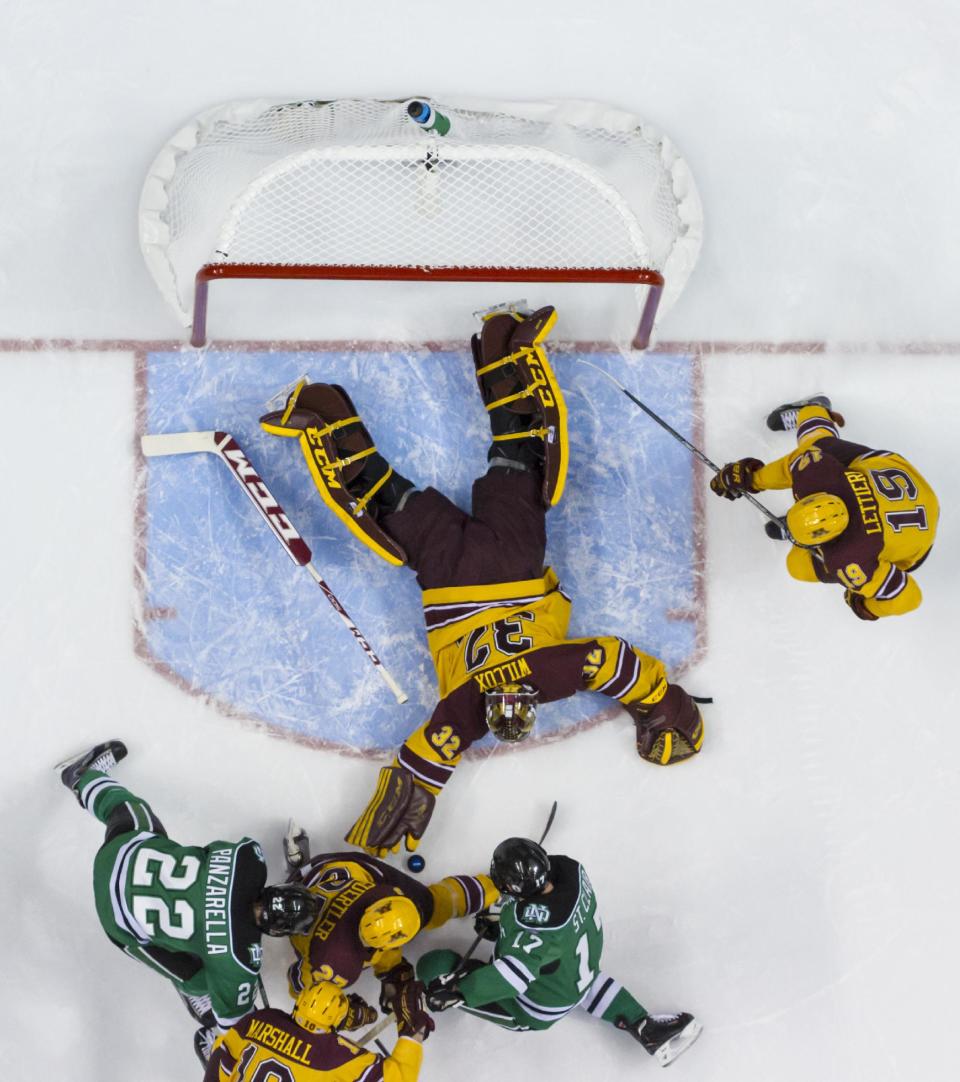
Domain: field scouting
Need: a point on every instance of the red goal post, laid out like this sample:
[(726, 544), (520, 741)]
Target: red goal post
[(355, 190)]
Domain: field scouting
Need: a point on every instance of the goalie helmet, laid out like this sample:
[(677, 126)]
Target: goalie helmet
[(322, 1006), (287, 909), (519, 867), (391, 922), (511, 710), (818, 518)]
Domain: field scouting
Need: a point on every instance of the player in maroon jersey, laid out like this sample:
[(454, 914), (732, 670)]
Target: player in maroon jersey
[(865, 518)]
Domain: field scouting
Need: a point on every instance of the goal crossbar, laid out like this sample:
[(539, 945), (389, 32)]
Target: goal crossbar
[(211, 272)]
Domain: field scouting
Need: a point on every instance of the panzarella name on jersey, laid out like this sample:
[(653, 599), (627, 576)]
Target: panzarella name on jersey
[(216, 901)]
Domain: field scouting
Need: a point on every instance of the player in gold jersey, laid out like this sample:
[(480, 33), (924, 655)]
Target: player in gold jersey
[(270, 1045), (369, 911), (496, 618), (867, 517)]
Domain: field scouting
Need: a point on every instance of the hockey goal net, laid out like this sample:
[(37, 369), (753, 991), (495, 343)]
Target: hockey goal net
[(538, 193)]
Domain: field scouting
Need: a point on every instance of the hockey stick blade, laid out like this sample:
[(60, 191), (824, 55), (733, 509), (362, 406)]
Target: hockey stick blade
[(546, 829), (178, 443), (226, 448), (229, 451)]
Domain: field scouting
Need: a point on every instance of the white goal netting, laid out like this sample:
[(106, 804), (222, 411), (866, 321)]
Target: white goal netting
[(336, 188)]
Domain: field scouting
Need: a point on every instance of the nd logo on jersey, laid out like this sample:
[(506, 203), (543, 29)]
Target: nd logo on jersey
[(535, 914), (226, 617)]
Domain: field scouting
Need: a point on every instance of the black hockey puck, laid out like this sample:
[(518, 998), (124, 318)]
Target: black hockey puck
[(416, 863)]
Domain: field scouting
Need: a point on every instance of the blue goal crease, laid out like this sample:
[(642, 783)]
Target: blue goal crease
[(229, 614)]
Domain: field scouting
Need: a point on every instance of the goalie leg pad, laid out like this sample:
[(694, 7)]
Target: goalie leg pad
[(528, 415), (399, 810), (353, 479), (669, 730)]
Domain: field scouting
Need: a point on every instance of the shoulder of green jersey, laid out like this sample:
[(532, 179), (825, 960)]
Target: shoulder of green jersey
[(534, 916)]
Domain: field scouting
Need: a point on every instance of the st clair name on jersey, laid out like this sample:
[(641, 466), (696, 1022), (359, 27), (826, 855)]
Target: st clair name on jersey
[(279, 1041), (511, 673), (216, 901)]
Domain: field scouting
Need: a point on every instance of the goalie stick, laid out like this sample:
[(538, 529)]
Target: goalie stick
[(226, 448)]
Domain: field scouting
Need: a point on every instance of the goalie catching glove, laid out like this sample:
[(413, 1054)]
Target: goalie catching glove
[(399, 810), (668, 730), (736, 478)]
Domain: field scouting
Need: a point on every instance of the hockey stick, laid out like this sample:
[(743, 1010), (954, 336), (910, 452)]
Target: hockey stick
[(263, 991), (458, 972), (694, 450), (376, 1029), (226, 448)]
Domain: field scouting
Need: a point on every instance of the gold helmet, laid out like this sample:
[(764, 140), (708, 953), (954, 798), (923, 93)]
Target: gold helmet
[(818, 518), (322, 1006), (391, 922), (511, 710)]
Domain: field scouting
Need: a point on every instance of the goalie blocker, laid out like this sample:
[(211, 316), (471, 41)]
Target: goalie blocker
[(399, 810)]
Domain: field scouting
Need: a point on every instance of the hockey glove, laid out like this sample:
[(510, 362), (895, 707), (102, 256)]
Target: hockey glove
[(442, 996), (732, 480), (410, 1011), (399, 810), (392, 981), (487, 925), (359, 1013), (669, 730), (858, 605)]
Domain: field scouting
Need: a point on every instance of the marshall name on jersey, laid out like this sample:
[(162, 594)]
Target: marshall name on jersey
[(269, 1046)]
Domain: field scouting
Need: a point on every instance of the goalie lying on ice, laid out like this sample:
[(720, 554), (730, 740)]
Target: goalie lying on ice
[(496, 618)]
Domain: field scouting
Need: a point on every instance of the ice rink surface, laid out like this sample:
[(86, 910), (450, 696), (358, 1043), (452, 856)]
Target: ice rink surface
[(795, 885)]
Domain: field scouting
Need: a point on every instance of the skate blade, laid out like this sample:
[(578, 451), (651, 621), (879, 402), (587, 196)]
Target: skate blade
[(293, 844), (71, 759), (667, 1053), (278, 400), (518, 308)]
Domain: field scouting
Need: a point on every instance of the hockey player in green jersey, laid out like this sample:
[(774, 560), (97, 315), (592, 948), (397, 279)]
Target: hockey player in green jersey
[(194, 914), (546, 960)]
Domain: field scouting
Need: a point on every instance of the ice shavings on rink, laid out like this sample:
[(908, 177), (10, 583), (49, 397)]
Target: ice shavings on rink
[(227, 613)]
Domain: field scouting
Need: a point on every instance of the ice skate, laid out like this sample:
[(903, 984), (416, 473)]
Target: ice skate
[(664, 1036), (296, 846), (784, 418), (103, 757)]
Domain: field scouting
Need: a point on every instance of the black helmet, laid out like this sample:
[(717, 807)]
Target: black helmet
[(511, 710), (519, 867), (288, 909)]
